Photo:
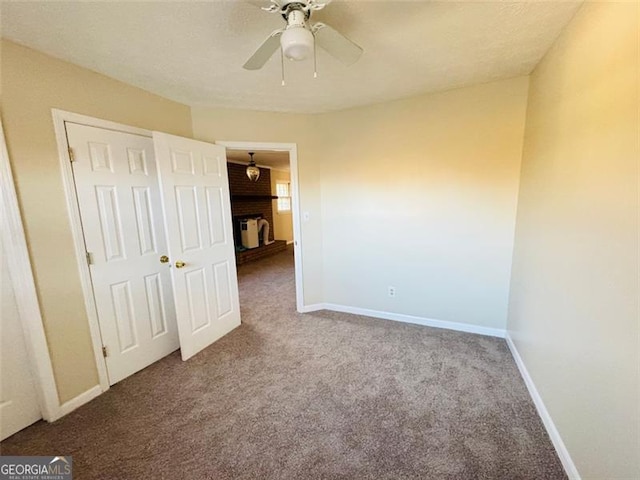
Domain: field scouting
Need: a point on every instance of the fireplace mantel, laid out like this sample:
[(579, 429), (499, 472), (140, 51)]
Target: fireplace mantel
[(252, 198)]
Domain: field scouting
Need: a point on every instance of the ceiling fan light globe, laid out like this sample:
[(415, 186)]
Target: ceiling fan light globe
[(297, 43)]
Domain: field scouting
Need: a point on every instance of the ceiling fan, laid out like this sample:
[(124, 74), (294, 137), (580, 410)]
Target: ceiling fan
[(299, 37)]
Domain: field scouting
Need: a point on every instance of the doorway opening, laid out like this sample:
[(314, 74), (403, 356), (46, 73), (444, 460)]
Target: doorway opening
[(265, 211)]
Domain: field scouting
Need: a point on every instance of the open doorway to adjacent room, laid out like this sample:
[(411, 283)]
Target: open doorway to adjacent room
[(265, 209)]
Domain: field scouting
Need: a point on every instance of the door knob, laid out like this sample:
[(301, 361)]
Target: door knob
[(180, 264), (164, 259)]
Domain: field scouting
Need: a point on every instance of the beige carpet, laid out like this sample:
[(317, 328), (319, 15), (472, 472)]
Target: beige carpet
[(316, 396)]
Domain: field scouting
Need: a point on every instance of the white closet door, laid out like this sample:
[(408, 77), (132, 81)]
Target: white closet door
[(18, 399), (119, 199), (195, 194)]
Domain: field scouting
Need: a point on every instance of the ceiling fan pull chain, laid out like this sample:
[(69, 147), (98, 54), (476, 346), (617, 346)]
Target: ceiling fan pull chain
[(282, 64), (315, 62)]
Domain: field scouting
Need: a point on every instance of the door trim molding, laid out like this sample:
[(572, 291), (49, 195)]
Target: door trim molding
[(21, 274), (60, 117), (292, 148)]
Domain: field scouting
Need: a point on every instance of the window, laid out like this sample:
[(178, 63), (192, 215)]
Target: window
[(283, 191)]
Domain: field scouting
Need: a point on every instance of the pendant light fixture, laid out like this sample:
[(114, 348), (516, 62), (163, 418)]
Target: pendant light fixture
[(253, 172)]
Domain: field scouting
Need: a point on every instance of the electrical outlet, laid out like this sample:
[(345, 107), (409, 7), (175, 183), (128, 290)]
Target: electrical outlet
[(392, 291)]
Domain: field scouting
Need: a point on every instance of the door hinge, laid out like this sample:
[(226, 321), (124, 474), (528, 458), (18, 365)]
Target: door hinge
[(89, 258), (105, 352), (72, 156)]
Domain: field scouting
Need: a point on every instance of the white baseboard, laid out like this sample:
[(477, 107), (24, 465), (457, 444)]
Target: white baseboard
[(400, 317), (561, 449), (312, 308), (76, 402), (289, 242)]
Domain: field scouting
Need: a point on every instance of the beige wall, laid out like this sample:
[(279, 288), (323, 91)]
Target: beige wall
[(282, 221), (574, 295), (420, 194), (446, 165), (33, 84)]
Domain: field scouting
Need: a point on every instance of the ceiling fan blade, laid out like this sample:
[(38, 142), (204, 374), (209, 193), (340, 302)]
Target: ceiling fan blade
[(336, 44), (264, 52), (317, 4), (267, 5)]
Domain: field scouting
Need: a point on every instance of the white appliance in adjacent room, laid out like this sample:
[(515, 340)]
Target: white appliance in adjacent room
[(249, 233)]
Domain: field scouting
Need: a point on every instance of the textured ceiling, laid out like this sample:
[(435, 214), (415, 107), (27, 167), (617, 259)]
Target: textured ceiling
[(193, 52)]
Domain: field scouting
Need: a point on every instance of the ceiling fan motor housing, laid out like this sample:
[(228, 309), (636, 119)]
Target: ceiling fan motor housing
[(288, 7)]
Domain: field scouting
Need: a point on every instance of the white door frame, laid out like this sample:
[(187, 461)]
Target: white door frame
[(292, 149), (24, 287), (59, 119)]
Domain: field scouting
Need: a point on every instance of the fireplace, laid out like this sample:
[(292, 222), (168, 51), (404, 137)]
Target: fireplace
[(251, 200)]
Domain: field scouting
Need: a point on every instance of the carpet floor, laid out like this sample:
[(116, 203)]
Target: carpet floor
[(315, 396)]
